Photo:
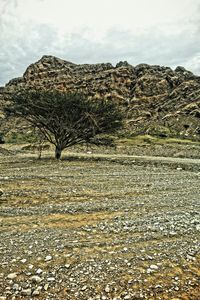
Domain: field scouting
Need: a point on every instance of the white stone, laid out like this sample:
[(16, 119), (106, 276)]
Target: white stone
[(51, 279), (48, 257), (153, 267), (198, 227), (15, 287), (30, 266), (46, 286), (12, 276), (36, 293), (107, 289), (36, 279)]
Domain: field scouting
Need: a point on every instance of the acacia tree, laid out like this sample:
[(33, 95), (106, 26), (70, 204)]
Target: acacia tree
[(65, 119)]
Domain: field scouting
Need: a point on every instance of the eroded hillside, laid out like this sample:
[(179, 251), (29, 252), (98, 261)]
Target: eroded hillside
[(156, 99)]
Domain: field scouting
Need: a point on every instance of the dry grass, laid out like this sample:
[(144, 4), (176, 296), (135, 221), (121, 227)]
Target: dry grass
[(63, 221)]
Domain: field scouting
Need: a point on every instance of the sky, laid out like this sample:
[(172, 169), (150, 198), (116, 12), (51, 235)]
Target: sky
[(161, 32)]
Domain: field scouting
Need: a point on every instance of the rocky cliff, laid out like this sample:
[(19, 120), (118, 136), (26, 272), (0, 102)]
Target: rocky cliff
[(157, 100)]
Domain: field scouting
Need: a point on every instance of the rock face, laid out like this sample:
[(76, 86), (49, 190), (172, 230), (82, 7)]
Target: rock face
[(157, 100)]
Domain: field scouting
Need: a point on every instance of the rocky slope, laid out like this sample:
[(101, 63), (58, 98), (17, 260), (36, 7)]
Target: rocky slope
[(156, 99)]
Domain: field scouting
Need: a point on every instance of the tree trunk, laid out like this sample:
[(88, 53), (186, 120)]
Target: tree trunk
[(58, 152)]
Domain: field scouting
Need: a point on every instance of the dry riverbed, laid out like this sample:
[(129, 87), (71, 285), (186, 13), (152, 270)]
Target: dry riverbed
[(101, 227)]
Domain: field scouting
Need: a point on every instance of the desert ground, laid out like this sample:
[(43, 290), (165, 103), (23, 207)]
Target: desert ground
[(100, 225)]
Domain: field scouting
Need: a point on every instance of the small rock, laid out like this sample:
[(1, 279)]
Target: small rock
[(26, 292), (176, 278), (48, 258), (84, 288), (107, 289), (3, 298), (51, 279), (1, 193), (153, 267), (39, 271), (190, 257), (36, 293), (23, 260), (46, 286), (36, 279), (12, 276), (30, 266), (149, 271), (198, 227), (172, 233), (67, 266), (127, 297), (15, 287)]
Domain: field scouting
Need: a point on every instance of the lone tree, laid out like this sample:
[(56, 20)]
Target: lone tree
[(65, 119)]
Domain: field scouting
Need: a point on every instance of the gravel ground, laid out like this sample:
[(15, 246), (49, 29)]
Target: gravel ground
[(99, 228)]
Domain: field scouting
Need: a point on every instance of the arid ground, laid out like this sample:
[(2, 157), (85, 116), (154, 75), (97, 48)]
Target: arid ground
[(99, 227)]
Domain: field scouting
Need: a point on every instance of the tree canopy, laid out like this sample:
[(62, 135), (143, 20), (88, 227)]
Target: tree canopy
[(64, 118)]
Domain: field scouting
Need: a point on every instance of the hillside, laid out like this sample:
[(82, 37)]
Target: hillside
[(157, 100)]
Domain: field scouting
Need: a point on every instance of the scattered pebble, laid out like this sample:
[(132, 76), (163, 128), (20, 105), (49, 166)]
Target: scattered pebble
[(12, 276), (48, 258)]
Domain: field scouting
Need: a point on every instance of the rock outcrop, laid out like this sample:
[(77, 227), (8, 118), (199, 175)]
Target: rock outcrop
[(157, 100)]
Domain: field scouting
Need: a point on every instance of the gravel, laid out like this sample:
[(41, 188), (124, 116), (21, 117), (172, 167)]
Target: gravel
[(99, 229)]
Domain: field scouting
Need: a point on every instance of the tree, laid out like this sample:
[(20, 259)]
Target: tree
[(65, 119)]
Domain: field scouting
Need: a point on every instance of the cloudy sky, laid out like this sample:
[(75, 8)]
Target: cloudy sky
[(164, 32)]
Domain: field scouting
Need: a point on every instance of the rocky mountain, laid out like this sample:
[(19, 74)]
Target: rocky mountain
[(156, 100)]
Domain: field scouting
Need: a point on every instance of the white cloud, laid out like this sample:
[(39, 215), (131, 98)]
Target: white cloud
[(162, 32)]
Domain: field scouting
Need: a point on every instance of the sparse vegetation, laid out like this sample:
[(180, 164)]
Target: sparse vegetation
[(65, 119)]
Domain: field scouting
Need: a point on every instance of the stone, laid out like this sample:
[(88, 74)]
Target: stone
[(30, 266), (153, 267), (127, 297), (26, 292), (1, 193), (12, 276), (39, 271), (67, 266), (15, 287), (46, 286), (198, 227), (51, 279), (107, 289), (36, 279), (48, 258), (36, 293)]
